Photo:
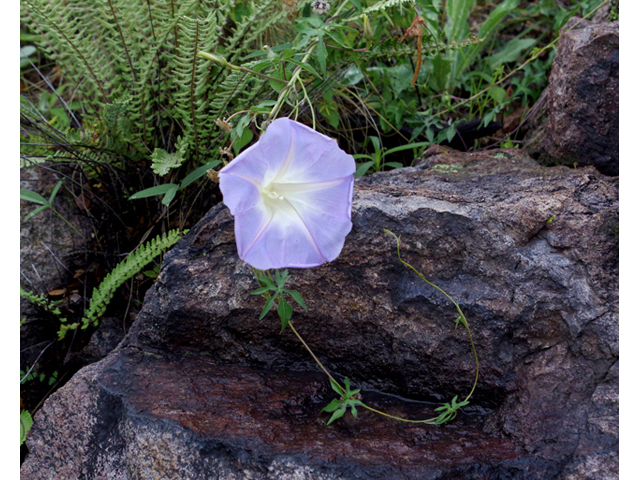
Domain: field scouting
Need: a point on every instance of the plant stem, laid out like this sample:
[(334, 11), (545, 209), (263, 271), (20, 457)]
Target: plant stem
[(314, 357)]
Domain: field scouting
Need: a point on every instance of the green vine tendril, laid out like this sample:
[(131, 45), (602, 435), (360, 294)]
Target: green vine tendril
[(272, 288)]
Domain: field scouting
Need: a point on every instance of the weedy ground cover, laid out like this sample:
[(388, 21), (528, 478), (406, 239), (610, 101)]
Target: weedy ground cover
[(136, 106)]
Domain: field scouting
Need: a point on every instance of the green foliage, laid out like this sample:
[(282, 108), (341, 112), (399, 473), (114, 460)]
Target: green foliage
[(348, 399), (25, 425), (103, 294), (162, 161), (276, 286), (169, 190), (32, 374), (45, 204), (449, 410), (126, 269), (135, 69), (376, 161)]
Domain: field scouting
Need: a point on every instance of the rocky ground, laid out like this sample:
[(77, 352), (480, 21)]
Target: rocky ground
[(200, 388)]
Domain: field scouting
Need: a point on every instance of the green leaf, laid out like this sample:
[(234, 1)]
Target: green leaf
[(297, 298), (27, 50), (458, 12), (511, 51), (333, 406), (336, 387), (268, 283), (32, 197), (353, 411), (157, 190), (198, 172), (492, 24), (407, 147), (284, 311), (162, 161), (394, 164), (337, 414), (25, 425), (277, 86), (321, 55), (305, 66), (363, 168), (55, 192), (499, 94), (451, 132), (246, 137), (441, 71), (168, 197), (282, 278), (260, 291), (353, 76), (35, 212), (267, 306)]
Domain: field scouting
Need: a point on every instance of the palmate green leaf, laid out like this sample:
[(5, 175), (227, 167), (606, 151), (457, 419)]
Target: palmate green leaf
[(337, 414), (267, 306), (336, 388), (267, 282), (282, 278), (260, 291), (284, 311), (297, 298), (333, 406)]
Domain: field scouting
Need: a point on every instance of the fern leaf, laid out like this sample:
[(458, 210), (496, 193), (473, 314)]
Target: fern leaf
[(122, 272)]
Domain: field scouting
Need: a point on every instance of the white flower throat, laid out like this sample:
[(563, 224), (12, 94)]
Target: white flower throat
[(270, 193)]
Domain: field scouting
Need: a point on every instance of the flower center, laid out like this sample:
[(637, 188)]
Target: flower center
[(274, 195), (271, 196)]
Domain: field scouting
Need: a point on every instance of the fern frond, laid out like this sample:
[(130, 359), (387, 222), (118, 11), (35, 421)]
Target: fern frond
[(41, 301), (126, 269)]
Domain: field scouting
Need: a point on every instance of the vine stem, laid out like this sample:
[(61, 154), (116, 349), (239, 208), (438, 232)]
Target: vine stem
[(461, 317), (295, 332)]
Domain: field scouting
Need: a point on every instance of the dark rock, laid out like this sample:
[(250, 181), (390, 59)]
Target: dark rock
[(200, 388), (47, 245), (104, 339), (578, 113)]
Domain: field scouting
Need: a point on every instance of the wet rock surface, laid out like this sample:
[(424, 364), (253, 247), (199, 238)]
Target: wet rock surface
[(200, 388), (578, 113)]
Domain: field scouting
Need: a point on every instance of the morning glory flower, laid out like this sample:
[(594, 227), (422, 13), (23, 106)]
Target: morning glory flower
[(290, 194)]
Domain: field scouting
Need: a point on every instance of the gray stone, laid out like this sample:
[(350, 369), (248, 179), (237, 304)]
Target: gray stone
[(577, 121), (201, 388)]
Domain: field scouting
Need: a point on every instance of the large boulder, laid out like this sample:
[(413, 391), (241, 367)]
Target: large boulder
[(577, 122), (201, 388)]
